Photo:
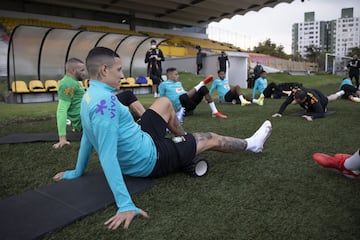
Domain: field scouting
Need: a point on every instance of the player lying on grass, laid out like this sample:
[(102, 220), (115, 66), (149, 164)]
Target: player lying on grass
[(312, 100)]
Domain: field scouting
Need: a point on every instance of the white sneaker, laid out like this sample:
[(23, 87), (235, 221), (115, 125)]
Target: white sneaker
[(156, 95), (256, 142)]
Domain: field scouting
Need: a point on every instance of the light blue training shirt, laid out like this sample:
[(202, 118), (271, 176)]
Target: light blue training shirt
[(260, 85), (222, 86), (172, 90), (122, 146)]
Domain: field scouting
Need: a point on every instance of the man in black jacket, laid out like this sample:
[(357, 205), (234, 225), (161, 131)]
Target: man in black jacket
[(354, 66), (154, 56)]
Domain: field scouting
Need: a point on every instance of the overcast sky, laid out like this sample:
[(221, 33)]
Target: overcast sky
[(276, 23)]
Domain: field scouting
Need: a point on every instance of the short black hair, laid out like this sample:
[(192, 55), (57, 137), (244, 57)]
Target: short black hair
[(300, 94), (171, 69), (219, 71), (98, 56), (153, 41)]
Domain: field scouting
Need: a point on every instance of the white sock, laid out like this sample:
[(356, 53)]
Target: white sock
[(250, 144), (197, 87), (255, 143), (241, 97), (340, 93), (353, 162), (254, 101), (356, 99), (213, 107)]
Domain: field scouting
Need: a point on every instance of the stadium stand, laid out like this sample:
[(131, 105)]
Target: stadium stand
[(10, 23), (109, 29)]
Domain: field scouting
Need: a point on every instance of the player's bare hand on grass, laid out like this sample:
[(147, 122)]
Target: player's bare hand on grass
[(62, 142), (276, 115), (124, 217), (58, 176), (309, 118)]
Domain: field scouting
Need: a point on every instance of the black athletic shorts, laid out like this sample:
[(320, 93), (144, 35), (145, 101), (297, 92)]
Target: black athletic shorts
[(349, 90), (190, 103), (173, 155), (229, 96)]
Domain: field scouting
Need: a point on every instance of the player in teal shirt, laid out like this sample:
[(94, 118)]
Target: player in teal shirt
[(349, 90), (231, 94), (173, 89), (142, 150), (260, 84)]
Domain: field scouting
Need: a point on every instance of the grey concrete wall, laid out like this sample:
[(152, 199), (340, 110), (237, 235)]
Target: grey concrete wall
[(236, 74)]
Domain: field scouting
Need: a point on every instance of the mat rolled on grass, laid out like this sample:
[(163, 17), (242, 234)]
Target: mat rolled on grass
[(38, 137), (297, 114), (34, 213)]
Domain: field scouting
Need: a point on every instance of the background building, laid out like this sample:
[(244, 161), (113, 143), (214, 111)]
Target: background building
[(347, 32), (335, 36)]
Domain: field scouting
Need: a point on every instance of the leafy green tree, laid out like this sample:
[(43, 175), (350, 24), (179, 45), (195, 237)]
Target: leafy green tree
[(312, 53), (354, 51), (269, 48)]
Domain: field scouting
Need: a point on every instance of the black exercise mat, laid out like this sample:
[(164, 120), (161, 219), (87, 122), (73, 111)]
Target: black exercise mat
[(305, 113), (38, 137), (34, 213)]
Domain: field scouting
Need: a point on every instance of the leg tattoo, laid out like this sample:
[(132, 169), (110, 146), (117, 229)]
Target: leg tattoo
[(215, 142)]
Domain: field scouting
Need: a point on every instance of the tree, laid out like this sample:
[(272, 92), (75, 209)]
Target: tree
[(354, 51), (312, 53), (269, 48)]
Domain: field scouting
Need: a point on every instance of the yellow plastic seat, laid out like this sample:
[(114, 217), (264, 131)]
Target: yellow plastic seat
[(51, 85), (36, 86), (129, 82), (86, 83), (150, 82), (81, 84), (19, 86)]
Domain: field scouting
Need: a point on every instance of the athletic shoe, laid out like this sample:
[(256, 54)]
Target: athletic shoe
[(245, 102), (261, 100), (256, 142), (219, 115), (208, 79), (336, 162)]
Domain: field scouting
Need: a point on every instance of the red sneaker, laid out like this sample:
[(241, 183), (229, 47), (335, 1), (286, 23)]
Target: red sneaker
[(337, 162), (208, 79), (219, 115)]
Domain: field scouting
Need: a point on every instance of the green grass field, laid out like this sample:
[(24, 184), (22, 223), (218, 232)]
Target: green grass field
[(277, 194)]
